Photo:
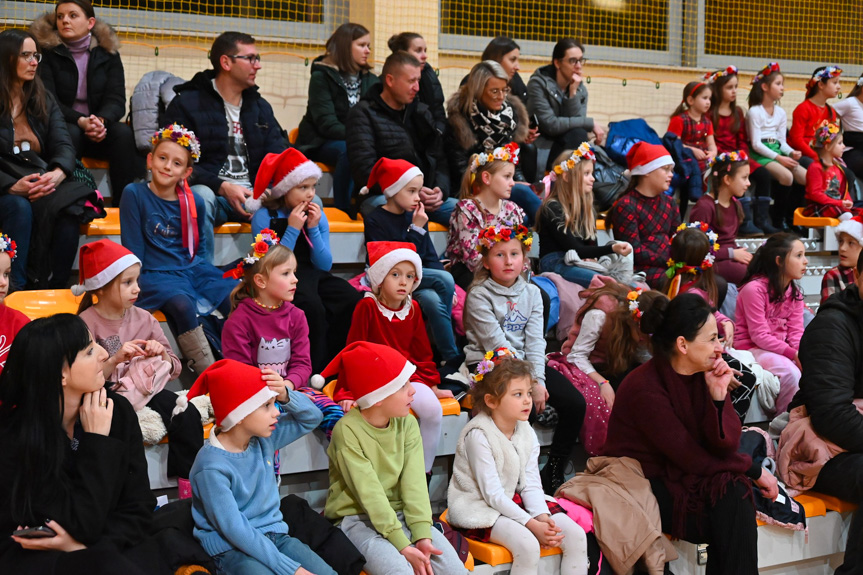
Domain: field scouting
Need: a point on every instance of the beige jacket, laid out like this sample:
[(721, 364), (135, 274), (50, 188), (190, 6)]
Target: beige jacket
[(625, 514)]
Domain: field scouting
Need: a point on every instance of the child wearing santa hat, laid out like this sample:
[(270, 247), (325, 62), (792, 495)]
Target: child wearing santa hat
[(284, 201), (140, 360), (388, 315), (645, 217), (11, 320), (403, 218), (849, 234), (378, 494), (235, 502)]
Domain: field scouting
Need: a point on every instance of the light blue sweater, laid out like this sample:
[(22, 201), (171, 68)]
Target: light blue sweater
[(236, 498)]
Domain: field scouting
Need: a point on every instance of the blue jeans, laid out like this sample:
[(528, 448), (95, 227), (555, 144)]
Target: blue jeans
[(553, 262), (434, 294), (440, 215), (16, 221), (335, 153), (219, 211), (524, 196), (236, 562)]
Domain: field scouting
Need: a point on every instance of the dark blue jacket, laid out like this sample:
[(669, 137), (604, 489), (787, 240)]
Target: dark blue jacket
[(384, 226), (199, 108)]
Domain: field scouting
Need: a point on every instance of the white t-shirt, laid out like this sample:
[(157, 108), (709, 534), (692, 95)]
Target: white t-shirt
[(236, 166), (851, 112)]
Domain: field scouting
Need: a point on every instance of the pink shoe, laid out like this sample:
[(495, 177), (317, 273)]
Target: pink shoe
[(184, 488)]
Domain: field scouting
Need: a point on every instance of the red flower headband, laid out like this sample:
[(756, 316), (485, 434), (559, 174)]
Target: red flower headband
[(765, 71), (8, 246), (261, 246), (711, 77), (824, 75)]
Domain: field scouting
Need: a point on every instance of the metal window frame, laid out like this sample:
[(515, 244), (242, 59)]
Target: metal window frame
[(142, 21), (670, 57), (717, 61)]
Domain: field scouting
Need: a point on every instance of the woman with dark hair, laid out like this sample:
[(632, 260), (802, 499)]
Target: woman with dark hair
[(71, 459), (483, 116), (673, 415), (506, 52), (83, 70), (340, 78), (34, 139), (557, 96), (431, 92)]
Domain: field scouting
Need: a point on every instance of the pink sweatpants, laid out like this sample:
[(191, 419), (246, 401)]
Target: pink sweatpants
[(787, 372)]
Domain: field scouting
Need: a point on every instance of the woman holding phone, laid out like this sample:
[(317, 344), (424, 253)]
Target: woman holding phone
[(71, 460)]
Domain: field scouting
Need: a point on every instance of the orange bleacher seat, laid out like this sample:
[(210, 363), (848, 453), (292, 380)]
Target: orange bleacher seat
[(292, 139), (494, 554), (341, 223), (234, 228), (107, 226), (449, 405), (42, 303), (94, 164), (801, 220), (831, 503)]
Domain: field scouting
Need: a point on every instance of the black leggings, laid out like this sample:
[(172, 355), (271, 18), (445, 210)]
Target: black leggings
[(181, 313), (728, 527), (570, 407)]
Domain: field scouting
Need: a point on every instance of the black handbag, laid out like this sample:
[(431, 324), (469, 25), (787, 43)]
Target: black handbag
[(22, 164)]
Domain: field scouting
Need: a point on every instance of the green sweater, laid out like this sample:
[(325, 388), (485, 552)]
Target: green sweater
[(378, 472)]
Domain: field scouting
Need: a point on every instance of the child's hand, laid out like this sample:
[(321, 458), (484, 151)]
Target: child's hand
[(796, 155), (297, 218), (742, 256), (622, 248), (441, 393), (797, 362), (302, 571), (607, 393), (314, 215), (786, 161), (347, 404), (419, 561), (728, 328), (545, 532), (152, 348), (847, 204), (698, 153), (420, 218), (540, 396), (129, 350), (276, 383)]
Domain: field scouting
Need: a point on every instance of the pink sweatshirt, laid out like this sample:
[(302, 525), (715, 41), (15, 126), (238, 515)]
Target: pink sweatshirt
[(772, 326), (276, 339)]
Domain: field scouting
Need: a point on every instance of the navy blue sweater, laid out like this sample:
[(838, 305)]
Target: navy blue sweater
[(384, 226)]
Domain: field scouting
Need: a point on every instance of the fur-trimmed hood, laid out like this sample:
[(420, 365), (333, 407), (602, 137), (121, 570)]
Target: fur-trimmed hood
[(45, 31), (462, 130)]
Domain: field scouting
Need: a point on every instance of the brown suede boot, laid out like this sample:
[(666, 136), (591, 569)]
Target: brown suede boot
[(196, 349)]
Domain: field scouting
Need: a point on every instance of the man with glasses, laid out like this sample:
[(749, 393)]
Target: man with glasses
[(235, 125), (389, 122)]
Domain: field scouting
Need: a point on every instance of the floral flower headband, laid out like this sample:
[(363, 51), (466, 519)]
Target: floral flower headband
[(711, 77), (632, 297), (765, 71), (491, 359), (179, 135), (824, 134), (508, 153), (680, 267), (503, 233), (824, 75), (8, 246), (728, 158), (583, 152), (263, 242)]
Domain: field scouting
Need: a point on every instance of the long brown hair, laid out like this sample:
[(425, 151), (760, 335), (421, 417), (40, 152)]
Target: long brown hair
[(621, 328), (339, 47), (275, 256), (718, 171), (691, 90), (716, 101), (756, 93), (33, 94), (690, 246), (579, 217), (496, 382)]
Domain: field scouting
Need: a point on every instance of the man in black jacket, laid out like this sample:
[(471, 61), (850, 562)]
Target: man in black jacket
[(235, 125), (831, 352), (390, 123)]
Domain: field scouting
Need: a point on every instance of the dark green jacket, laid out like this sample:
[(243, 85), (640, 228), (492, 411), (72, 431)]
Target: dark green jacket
[(328, 105)]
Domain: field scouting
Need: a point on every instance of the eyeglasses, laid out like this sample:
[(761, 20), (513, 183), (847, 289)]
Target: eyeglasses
[(30, 56), (252, 58), (497, 92), (574, 61)]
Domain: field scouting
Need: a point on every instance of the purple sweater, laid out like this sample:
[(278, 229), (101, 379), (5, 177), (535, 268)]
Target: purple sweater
[(762, 324), (80, 51), (275, 339)]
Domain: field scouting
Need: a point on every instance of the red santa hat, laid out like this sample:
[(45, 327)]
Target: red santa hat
[(99, 263), (643, 158), (853, 227), (391, 175), (236, 390), (370, 371), (281, 173), (383, 256)]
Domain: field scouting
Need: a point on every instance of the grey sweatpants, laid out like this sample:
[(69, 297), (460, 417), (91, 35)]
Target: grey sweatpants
[(384, 559)]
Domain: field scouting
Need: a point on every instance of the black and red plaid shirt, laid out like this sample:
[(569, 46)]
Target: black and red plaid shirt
[(647, 224)]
